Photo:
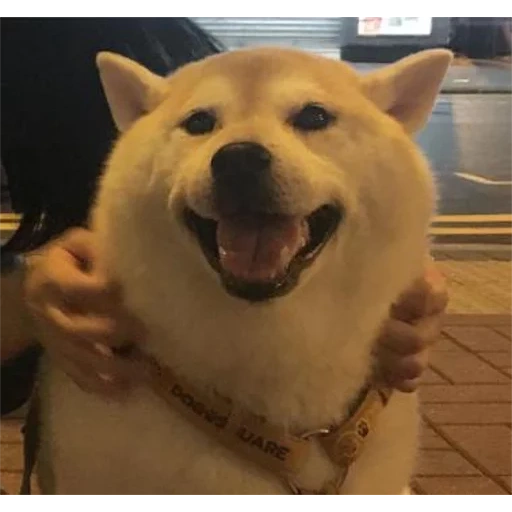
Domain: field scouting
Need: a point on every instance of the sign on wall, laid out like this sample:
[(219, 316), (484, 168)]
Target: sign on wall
[(410, 26)]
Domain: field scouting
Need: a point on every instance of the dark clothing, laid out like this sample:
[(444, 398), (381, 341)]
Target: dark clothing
[(17, 379)]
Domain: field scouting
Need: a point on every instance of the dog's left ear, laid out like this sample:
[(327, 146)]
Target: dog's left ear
[(131, 89), (407, 90)]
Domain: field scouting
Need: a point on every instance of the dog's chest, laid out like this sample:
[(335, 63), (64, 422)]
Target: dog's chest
[(139, 447), (143, 447)]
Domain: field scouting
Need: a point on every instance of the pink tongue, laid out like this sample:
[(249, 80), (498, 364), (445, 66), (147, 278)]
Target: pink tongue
[(259, 248)]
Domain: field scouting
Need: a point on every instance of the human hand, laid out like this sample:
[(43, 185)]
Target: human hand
[(79, 316), (402, 348)]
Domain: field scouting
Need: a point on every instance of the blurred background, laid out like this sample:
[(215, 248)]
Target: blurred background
[(468, 139)]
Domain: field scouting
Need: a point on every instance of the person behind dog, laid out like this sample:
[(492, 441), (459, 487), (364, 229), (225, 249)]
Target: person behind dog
[(56, 131)]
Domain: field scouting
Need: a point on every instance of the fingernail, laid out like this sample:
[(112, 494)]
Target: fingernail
[(118, 383), (103, 349), (105, 377)]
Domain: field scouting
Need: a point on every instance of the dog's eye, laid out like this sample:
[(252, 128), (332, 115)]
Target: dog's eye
[(312, 117), (200, 122)]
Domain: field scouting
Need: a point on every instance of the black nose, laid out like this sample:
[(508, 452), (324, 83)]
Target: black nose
[(240, 158), (242, 177)]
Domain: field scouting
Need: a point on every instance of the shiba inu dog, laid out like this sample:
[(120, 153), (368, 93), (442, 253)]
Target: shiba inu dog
[(262, 209)]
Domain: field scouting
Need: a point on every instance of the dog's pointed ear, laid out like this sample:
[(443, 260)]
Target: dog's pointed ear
[(131, 89), (407, 89)]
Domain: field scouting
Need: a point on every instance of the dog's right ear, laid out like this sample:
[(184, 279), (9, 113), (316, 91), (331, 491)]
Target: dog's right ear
[(131, 89), (407, 89)]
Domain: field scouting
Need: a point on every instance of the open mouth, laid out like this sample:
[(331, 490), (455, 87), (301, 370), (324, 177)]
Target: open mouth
[(260, 256)]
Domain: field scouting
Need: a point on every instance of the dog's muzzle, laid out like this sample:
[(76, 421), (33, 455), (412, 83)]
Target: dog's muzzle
[(258, 249)]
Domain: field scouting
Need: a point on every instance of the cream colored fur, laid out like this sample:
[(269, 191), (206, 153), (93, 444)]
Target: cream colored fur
[(299, 359)]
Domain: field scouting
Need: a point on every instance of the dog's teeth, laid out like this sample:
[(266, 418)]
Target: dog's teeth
[(272, 275), (222, 252), (302, 242), (285, 255)]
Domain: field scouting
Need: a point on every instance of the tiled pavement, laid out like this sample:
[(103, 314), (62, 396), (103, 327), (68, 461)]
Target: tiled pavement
[(466, 407)]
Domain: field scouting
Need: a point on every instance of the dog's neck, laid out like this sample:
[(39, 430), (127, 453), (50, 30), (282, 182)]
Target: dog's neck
[(299, 362)]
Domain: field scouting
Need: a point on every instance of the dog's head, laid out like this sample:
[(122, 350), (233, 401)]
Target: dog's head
[(267, 159)]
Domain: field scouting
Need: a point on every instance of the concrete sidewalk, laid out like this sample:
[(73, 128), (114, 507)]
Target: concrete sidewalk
[(477, 286)]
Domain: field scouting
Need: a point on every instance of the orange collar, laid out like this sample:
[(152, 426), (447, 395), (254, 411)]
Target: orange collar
[(252, 437)]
